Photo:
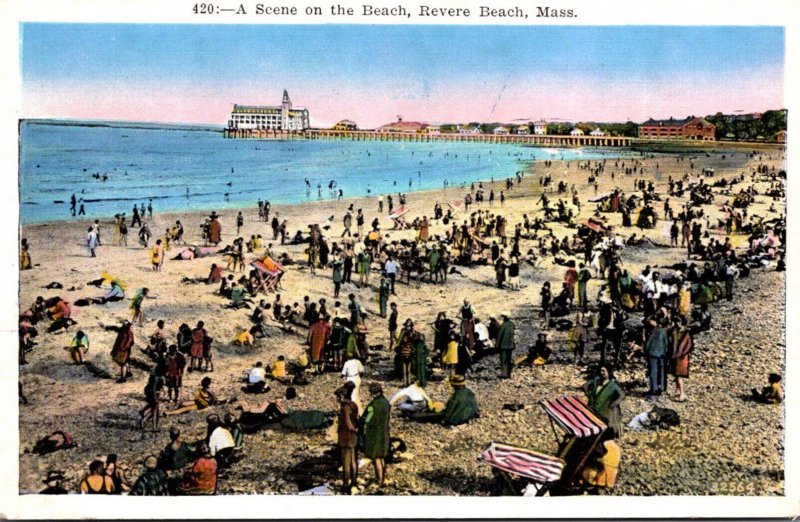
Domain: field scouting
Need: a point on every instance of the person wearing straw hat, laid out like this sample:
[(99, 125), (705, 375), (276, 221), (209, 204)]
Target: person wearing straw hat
[(152, 481), (505, 343)]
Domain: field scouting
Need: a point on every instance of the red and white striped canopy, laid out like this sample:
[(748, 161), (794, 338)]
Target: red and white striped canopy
[(536, 466), (574, 417)]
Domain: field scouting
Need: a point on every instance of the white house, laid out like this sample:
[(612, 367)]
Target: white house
[(540, 128), (523, 130), (469, 130), (597, 132), (576, 132), (501, 130)]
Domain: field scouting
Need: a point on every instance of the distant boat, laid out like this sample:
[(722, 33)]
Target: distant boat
[(124, 135)]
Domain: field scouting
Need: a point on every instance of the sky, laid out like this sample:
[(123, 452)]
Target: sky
[(373, 73)]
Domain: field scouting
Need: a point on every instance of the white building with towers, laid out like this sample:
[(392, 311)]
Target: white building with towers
[(281, 117)]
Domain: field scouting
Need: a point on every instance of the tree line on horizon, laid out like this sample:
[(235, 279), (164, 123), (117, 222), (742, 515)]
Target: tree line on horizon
[(728, 126)]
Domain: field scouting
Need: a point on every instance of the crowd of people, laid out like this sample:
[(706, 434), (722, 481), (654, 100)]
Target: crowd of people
[(641, 321)]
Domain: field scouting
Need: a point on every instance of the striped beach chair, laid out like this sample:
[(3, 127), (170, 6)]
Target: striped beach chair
[(539, 469)]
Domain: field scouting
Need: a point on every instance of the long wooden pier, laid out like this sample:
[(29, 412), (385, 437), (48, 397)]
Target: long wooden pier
[(364, 135)]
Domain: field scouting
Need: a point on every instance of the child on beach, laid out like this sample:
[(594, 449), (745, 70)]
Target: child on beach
[(136, 305)]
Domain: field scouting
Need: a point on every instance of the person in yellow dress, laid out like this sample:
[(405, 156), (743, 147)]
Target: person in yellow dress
[(24, 255), (450, 356), (157, 256)]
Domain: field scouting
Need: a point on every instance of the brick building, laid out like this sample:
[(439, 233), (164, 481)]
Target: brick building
[(672, 129)]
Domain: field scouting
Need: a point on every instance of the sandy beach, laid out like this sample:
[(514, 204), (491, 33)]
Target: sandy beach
[(725, 445)]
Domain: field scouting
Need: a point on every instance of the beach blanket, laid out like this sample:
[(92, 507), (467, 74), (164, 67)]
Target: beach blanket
[(523, 462), (307, 420)]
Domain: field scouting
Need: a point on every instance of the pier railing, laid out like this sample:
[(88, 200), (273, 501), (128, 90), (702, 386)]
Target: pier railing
[(364, 135)]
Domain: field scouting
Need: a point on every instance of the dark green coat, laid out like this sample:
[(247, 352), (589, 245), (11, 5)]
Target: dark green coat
[(419, 362), (376, 428), (462, 407), (505, 336)]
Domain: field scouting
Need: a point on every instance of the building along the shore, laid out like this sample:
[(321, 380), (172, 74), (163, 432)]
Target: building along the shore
[(691, 128), (283, 117)]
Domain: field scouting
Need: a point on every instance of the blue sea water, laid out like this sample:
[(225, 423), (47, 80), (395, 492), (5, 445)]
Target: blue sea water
[(183, 170)]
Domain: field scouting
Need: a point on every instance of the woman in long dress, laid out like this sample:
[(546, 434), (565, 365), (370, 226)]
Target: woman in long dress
[(604, 396), (681, 354)]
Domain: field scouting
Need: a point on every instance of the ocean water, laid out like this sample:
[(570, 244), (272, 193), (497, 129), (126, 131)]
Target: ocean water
[(181, 170)]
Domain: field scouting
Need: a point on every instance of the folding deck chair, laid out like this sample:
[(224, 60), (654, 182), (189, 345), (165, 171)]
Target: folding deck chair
[(542, 471), (581, 431)]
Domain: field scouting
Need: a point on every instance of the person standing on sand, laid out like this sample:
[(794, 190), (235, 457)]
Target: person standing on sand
[(239, 223), (375, 424), (584, 275), (393, 318), (364, 264), (214, 229), (136, 305), (24, 255), (121, 350), (275, 226), (347, 432), (505, 343), (175, 363), (383, 293), (96, 228), (347, 267), (136, 220), (681, 355), (347, 222), (144, 235), (123, 230), (360, 222), (198, 344), (337, 275), (91, 241), (157, 256), (318, 336), (424, 230)]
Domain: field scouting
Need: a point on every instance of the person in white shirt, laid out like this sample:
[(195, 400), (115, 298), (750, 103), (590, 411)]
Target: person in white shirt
[(351, 371), (645, 277), (256, 379), (482, 335), (643, 421), (411, 399), (220, 440), (390, 268), (257, 374)]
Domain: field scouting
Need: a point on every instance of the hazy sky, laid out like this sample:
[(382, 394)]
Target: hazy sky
[(371, 74)]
